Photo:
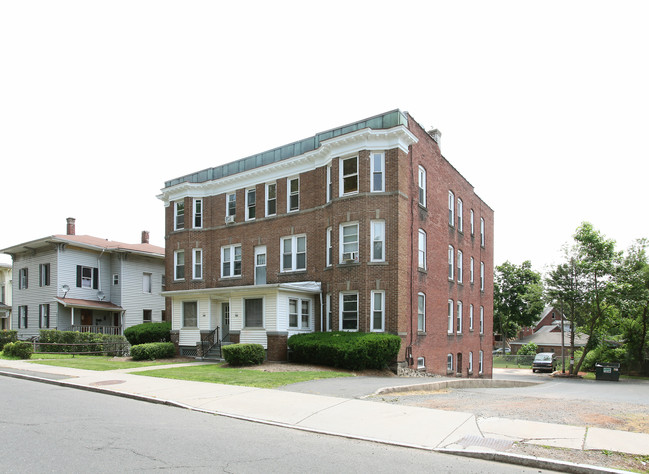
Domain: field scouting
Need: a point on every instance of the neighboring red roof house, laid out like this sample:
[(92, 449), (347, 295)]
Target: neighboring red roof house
[(550, 316), (548, 339)]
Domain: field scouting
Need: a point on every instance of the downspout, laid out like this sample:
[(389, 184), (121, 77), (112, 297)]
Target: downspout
[(322, 328), (99, 268), (409, 357)]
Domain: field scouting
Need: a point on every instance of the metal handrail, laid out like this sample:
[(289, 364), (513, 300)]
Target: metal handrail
[(210, 341)]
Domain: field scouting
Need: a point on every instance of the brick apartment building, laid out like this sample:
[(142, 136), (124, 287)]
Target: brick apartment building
[(365, 227)]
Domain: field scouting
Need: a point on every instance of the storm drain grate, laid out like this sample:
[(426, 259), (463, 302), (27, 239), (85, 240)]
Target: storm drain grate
[(493, 443)]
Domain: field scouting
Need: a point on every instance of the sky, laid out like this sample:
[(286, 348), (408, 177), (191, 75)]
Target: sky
[(543, 106)]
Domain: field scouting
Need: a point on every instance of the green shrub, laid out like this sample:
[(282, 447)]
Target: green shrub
[(153, 351), (601, 354), (22, 350), (82, 342), (148, 332), (6, 336), (528, 349), (349, 350), (243, 354)]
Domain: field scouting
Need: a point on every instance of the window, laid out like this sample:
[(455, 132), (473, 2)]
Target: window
[(197, 264), (458, 325), (451, 261), (471, 271), (198, 213), (349, 175), (349, 242), (146, 283), (254, 313), (349, 311), (3, 293), (449, 363), (179, 265), (230, 205), (378, 311), (421, 363), (146, 316), (329, 184), (481, 276), (421, 252), (451, 208), (471, 217), (459, 266), (87, 277), (377, 166), (378, 241), (328, 311), (481, 319), (231, 260), (44, 274), (480, 360), (22, 317), (293, 190), (482, 232), (251, 203), (471, 362), (329, 246), (421, 312), (302, 319), (293, 253), (422, 186), (115, 279), (190, 314), (450, 317), (179, 215), (44, 316), (471, 317), (271, 199), (460, 223), (22, 279)]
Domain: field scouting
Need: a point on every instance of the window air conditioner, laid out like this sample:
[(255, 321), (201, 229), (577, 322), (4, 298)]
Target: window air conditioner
[(229, 219), (350, 256)]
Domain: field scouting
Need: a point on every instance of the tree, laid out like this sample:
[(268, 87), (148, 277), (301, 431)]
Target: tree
[(517, 298), (528, 349)]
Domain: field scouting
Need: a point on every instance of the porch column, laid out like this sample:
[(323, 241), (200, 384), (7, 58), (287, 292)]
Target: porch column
[(72, 316)]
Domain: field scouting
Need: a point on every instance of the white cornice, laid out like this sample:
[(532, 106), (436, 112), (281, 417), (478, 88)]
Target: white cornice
[(344, 145)]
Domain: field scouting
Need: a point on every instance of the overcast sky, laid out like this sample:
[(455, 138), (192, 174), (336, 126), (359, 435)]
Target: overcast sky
[(543, 106)]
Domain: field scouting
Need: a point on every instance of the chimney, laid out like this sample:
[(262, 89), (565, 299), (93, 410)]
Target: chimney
[(70, 229), (435, 135), (145, 236)]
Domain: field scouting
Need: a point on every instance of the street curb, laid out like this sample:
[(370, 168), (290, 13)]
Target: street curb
[(459, 383), (522, 460)]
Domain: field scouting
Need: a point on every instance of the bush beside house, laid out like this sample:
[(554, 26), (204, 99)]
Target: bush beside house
[(7, 336), (243, 354), (74, 341), (19, 349), (153, 351), (148, 332)]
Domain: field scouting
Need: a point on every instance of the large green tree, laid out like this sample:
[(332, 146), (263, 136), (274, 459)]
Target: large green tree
[(518, 298)]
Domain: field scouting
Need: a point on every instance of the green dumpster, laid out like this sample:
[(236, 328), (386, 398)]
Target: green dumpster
[(610, 371)]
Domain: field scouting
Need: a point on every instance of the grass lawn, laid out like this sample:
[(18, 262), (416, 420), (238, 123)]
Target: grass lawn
[(501, 364), (94, 362), (240, 376)]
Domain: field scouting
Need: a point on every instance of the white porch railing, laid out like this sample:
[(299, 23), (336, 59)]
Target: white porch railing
[(112, 330)]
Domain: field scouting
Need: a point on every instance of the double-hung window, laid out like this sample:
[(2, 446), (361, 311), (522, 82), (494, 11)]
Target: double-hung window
[(459, 266), (422, 186), (329, 260), (460, 223), (482, 230), (197, 264), (329, 184), (146, 282), (378, 311), (349, 311), (179, 265), (472, 223), (179, 215), (251, 203), (378, 172), (44, 316), (470, 362), (22, 317), (471, 273), (451, 208), (378, 241), (481, 276), (451, 263), (421, 312), (231, 205), (480, 361), (254, 313), (198, 213), (271, 199), (231, 261), (293, 194), (349, 242), (471, 317), (87, 277), (450, 316), (421, 250), (481, 319), (349, 175), (293, 250), (458, 326), (299, 313), (449, 363), (44, 274), (23, 280)]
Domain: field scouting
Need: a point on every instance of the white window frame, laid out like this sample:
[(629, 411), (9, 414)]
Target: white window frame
[(231, 198), (374, 156), (451, 262), (182, 309), (231, 262), (251, 206), (147, 282), (329, 184), (44, 313), (381, 310), (472, 216), (481, 319), (451, 209), (294, 240), (179, 212), (449, 363), (480, 362), (471, 317), (178, 264), (344, 177), (329, 251), (421, 312), (451, 316), (459, 322), (481, 276), (482, 231), (269, 199), (377, 236), (341, 310), (23, 317), (328, 312), (263, 313), (290, 194), (421, 250), (300, 324), (460, 222), (471, 273), (421, 362), (197, 264), (422, 186), (460, 265), (344, 247), (197, 213), (470, 362)]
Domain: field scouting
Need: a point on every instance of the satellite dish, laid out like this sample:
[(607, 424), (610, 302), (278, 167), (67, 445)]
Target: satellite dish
[(65, 289), (100, 295)]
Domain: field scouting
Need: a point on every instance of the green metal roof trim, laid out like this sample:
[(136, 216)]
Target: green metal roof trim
[(383, 121)]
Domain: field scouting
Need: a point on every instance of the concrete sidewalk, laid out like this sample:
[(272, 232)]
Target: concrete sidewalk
[(423, 428)]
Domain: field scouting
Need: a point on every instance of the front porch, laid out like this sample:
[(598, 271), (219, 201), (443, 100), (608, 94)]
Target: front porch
[(99, 317), (98, 329)]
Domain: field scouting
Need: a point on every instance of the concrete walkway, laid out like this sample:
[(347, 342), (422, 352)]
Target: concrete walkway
[(456, 432)]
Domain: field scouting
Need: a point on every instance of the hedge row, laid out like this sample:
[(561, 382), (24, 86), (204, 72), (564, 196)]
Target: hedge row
[(148, 332), (7, 336), (243, 354), (153, 351), (349, 350), (22, 350), (82, 342)]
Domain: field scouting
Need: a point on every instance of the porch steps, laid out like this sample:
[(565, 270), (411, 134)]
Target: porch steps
[(214, 354)]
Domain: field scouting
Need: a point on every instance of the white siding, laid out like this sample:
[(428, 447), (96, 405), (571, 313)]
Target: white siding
[(254, 336), (189, 337), (133, 299)]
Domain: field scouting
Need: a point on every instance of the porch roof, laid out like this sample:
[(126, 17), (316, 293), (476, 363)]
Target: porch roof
[(302, 286), (4, 307), (89, 304)]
